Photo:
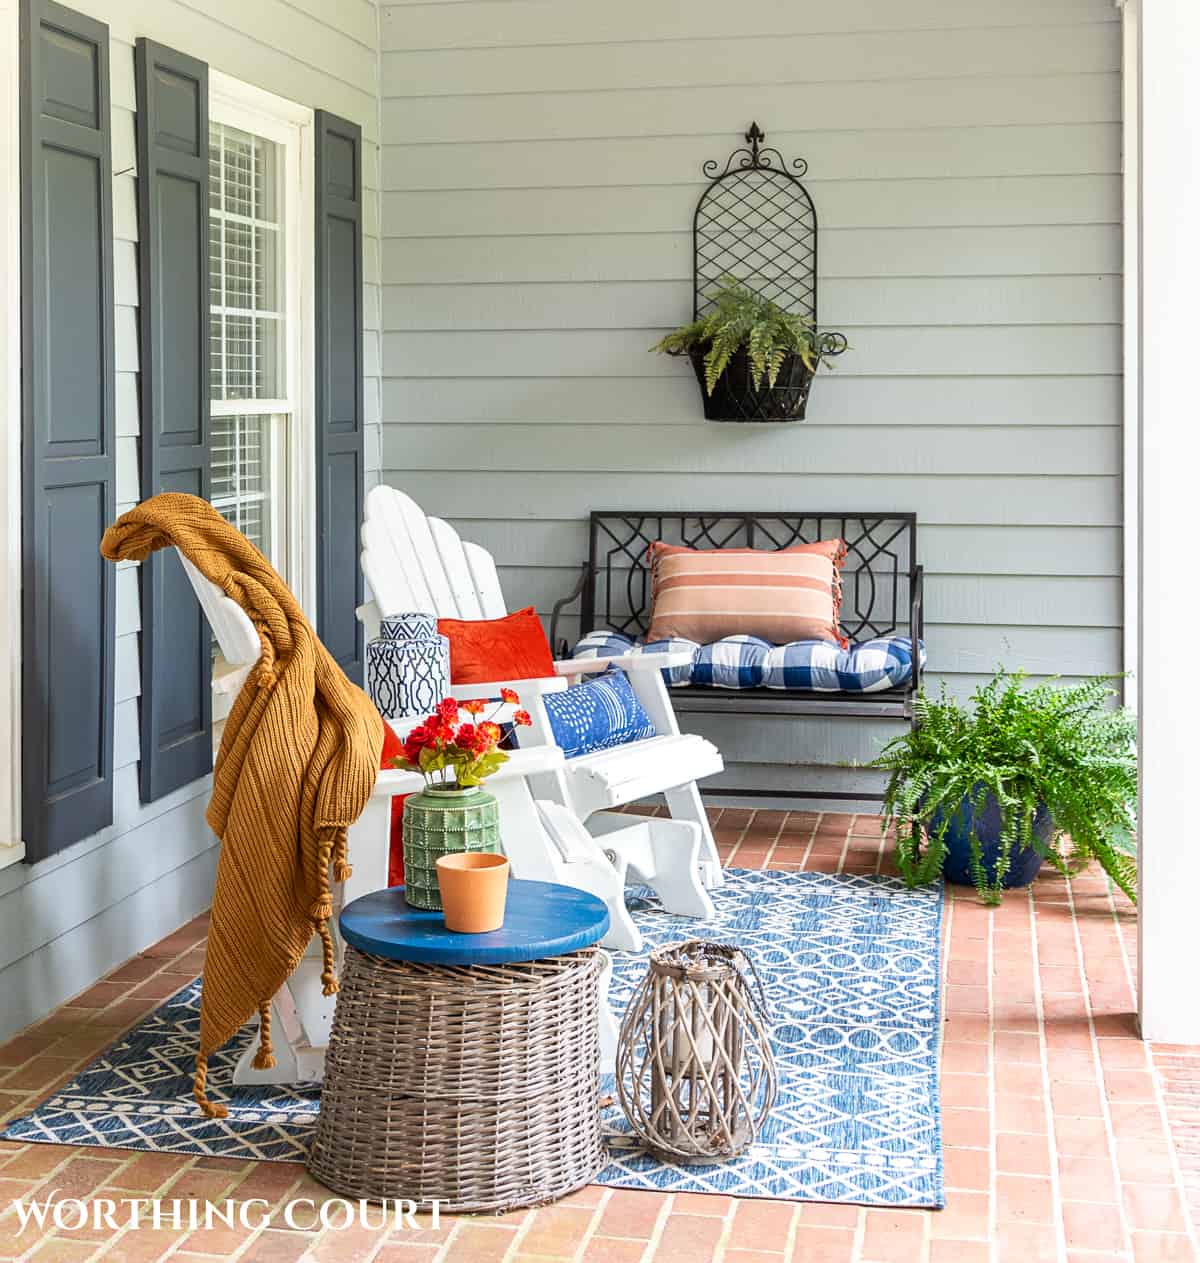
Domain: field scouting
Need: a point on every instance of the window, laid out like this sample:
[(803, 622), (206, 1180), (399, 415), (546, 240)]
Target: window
[(260, 284), (249, 325)]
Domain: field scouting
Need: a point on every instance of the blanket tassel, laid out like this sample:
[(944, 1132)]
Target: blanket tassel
[(211, 1108), (264, 1059), (341, 865), (328, 975)]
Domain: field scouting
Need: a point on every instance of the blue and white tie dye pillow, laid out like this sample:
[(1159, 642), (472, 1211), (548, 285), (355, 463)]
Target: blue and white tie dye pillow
[(597, 715)]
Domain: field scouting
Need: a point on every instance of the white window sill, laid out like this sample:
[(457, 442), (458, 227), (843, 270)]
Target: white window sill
[(11, 853)]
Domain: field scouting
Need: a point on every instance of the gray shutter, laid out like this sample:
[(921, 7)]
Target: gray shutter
[(172, 157), (339, 387), (68, 428)]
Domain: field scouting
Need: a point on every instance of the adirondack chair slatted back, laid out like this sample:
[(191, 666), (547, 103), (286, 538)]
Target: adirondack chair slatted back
[(414, 562), (232, 627)]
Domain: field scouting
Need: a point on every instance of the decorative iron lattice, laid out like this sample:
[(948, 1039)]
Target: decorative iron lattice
[(756, 222), (877, 575)]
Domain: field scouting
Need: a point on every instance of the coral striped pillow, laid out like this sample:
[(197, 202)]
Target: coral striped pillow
[(703, 594)]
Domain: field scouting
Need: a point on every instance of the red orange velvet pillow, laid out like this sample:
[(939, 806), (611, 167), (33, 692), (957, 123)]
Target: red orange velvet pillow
[(393, 746), (486, 649)]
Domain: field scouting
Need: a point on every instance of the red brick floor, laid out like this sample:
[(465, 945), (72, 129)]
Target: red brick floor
[(1066, 1138)]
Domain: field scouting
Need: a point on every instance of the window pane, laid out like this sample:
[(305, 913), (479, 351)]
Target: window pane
[(245, 273), (266, 181), (266, 269), (239, 266), (214, 166), (247, 287), (238, 171), (238, 339), (242, 475), (216, 338)]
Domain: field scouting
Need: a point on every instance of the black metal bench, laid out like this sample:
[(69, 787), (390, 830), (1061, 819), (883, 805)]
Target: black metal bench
[(882, 595)]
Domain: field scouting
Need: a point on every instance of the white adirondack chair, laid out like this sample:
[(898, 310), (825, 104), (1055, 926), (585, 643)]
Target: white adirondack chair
[(415, 562), (302, 1015)]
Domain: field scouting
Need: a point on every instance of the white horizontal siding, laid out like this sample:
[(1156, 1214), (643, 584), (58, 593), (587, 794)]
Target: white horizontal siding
[(67, 920), (844, 205), (76, 922), (1034, 500), (540, 167), (845, 302), (419, 24), (671, 400), (908, 450), (1020, 250), (944, 151), (705, 110), (876, 351), (779, 59)]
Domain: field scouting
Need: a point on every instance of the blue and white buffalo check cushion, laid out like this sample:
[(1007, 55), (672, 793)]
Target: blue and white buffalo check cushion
[(885, 663), (740, 662), (736, 662), (610, 644)]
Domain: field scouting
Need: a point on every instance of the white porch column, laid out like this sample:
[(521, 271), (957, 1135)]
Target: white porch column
[(1169, 456)]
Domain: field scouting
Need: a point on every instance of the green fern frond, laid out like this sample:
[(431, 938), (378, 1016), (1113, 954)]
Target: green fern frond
[(739, 319)]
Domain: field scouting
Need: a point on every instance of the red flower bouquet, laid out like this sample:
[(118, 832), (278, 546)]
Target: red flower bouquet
[(448, 753)]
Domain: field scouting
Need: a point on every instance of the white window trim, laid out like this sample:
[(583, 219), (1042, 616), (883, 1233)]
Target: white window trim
[(290, 125), (12, 849)]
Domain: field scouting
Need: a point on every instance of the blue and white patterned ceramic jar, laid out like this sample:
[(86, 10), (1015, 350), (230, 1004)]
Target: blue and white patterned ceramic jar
[(408, 667)]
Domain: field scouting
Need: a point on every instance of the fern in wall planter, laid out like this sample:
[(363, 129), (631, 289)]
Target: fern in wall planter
[(753, 360)]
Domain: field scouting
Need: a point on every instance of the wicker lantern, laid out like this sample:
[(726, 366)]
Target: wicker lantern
[(695, 1073)]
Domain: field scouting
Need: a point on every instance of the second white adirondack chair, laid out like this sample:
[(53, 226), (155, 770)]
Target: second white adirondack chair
[(302, 1014), (415, 562)]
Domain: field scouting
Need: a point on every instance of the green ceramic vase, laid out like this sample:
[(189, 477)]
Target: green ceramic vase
[(438, 822)]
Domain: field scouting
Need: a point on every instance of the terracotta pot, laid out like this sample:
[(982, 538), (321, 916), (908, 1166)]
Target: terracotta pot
[(474, 888)]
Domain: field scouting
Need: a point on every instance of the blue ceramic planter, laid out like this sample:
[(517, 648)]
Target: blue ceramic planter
[(1025, 863)]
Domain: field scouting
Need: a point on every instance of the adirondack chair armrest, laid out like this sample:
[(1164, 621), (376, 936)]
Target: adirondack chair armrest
[(525, 689), (368, 615), (228, 680), (528, 761), (393, 780), (624, 662)]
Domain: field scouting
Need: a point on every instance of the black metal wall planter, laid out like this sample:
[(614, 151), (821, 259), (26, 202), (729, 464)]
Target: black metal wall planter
[(754, 239)]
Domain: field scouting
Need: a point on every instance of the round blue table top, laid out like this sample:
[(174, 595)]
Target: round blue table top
[(540, 919)]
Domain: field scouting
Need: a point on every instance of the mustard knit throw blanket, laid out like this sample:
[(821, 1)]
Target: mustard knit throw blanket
[(297, 763)]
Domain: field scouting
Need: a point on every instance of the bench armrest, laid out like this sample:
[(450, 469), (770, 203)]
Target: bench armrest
[(563, 602), (916, 621)]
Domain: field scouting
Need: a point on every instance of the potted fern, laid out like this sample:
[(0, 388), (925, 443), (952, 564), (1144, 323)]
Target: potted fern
[(753, 360), (984, 795)]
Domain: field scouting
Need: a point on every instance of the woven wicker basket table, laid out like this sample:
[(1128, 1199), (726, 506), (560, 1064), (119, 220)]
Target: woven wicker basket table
[(464, 1068)]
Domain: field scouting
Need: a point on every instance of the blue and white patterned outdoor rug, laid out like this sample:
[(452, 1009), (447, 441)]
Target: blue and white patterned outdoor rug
[(851, 966)]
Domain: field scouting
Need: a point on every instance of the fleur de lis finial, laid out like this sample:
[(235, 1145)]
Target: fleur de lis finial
[(753, 138)]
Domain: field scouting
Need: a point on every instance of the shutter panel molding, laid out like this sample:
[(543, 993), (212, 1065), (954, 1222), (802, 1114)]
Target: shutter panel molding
[(68, 405), (339, 387), (173, 318)]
